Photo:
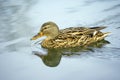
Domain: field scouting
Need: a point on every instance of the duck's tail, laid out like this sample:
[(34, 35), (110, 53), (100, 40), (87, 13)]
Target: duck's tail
[(106, 34), (103, 36)]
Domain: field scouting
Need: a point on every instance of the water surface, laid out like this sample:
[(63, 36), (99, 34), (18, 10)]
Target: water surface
[(20, 20)]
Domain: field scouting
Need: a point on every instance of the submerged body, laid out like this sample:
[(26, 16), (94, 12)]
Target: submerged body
[(69, 37)]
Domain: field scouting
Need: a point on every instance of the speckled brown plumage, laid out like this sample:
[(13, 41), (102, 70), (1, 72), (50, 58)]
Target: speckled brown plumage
[(69, 37)]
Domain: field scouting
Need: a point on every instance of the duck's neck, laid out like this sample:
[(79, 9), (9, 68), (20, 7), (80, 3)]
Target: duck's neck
[(47, 43)]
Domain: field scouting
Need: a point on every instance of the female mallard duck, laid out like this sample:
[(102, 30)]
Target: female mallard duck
[(69, 37)]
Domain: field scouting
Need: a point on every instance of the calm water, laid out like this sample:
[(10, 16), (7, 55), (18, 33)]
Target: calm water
[(21, 19)]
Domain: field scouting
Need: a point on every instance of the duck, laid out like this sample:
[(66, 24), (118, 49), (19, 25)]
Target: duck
[(69, 37)]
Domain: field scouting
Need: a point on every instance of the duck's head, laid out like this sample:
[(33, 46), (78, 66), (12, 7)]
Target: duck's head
[(49, 29)]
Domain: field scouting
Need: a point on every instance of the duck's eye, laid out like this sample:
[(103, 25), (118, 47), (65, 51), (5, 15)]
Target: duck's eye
[(44, 28)]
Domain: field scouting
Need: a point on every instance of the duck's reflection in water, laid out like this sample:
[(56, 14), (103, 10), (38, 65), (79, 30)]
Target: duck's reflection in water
[(53, 56)]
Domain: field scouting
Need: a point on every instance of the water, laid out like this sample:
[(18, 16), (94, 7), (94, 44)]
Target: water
[(20, 20)]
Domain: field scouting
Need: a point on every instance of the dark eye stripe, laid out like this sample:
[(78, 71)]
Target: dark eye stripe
[(45, 28)]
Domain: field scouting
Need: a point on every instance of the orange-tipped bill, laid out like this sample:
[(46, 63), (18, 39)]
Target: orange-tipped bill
[(37, 36)]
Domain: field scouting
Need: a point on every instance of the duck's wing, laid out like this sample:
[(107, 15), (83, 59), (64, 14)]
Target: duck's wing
[(70, 32), (80, 31), (71, 37)]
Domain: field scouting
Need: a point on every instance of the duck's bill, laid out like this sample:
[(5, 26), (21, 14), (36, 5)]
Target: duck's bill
[(37, 36)]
